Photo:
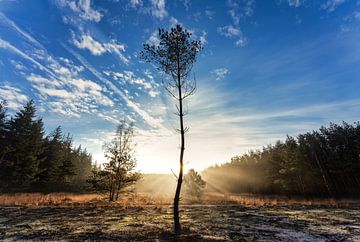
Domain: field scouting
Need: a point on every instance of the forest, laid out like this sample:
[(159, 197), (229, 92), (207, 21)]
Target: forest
[(323, 163), (158, 120), (32, 161)]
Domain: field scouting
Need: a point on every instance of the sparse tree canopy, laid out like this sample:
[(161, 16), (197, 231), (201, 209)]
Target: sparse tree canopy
[(118, 173), (175, 55), (194, 185)]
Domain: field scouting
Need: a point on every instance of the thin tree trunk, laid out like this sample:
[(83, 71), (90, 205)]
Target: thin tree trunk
[(326, 183), (177, 226), (111, 194), (301, 186), (118, 190)]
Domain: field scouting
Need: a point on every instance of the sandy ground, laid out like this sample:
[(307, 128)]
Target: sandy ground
[(229, 222)]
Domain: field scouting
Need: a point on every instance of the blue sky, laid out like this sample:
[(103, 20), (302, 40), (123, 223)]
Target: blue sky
[(268, 69)]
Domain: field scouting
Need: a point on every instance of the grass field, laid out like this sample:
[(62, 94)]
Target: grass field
[(218, 217)]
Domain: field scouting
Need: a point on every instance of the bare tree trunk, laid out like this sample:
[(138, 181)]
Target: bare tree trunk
[(177, 226), (118, 191), (324, 176), (111, 194), (301, 186)]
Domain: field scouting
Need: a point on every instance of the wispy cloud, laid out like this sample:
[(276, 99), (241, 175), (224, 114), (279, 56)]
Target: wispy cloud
[(70, 95), (129, 77), (158, 9), (202, 38), (154, 38), (59, 86), (135, 3), (331, 5), (235, 130), (6, 45), (210, 13), (220, 73), (9, 23), (295, 3), (153, 122), (86, 41), (240, 9), (154, 8), (14, 97), (82, 8), (230, 31)]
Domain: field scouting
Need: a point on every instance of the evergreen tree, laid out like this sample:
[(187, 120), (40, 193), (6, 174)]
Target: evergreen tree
[(82, 162), (175, 55), (66, 169), (26, 139), (5, 148), (194, 185), (3, 131), (30, 162), (53, 156), (317, 163), (66, 173)]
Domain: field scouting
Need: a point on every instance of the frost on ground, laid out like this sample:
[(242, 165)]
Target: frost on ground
[(230, 222)]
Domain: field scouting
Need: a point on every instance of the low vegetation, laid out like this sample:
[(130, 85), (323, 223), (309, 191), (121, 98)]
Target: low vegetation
[(219, 217)]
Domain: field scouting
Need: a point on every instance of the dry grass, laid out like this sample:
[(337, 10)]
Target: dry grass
[(143, 199), (278, 201), (70, 199), (146, 199), (38, 199)]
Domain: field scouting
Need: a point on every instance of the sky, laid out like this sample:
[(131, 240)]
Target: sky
[(268, 69)]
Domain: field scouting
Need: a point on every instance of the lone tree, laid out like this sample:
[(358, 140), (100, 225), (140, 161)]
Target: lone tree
[(194, 185), (175, 55), (118, 173)]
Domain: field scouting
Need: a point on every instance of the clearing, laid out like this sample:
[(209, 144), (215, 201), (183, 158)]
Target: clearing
[(142, 217)]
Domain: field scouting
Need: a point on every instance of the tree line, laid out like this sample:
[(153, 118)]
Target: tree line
[(31, 161), (323, 163)]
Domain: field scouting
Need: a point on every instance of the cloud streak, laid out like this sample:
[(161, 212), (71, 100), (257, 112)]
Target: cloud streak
[(7, 22), (86, 41), (153, 122)]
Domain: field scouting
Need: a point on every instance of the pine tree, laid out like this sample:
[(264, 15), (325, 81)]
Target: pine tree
[(53, 156), (175, 55), (5, 148), (82, 162), (3, 130), (66, 169), (26, 138)]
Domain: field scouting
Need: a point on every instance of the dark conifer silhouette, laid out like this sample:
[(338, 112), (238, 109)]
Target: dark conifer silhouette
[(31, 162), (323, 163), (175, 55), (26, 138)]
